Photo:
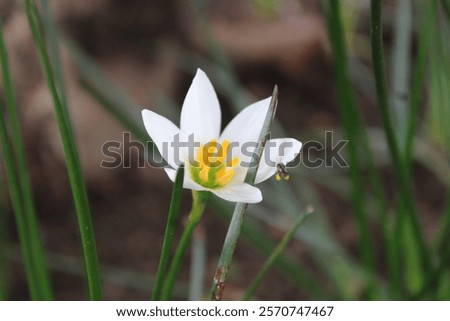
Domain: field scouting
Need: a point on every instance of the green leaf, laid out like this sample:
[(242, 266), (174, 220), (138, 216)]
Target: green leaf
[(26, 218), (71, 156)]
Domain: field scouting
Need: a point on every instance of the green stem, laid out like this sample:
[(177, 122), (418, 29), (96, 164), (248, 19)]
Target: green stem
[(21, 221), (4, 246), (349, 114), (407, 212), (226, 255), (427, 27), (198, 207), (198, 265), (174, 210), (32, 226), (274, 256), (401, 58), (72, 159)]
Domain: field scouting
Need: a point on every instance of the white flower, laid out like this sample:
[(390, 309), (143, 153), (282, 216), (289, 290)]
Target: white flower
[(216, 164)]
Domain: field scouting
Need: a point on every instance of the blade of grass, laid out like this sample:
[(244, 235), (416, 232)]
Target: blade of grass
[(274, 256), (32, 226), (407, 213), (425, 35), (4, 248), (439, 83), (21, 222), (72, 158), (349, 119), (226, 255), (172, 220), (52, 40), (198, 264), (401, 60)]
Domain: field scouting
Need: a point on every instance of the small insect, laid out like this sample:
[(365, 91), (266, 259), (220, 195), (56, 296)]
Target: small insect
[(281, 172)]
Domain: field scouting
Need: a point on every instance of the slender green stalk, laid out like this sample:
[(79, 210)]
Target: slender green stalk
[(19, 211), (4, 247), (401, 61), (274, 256), (53, 51), (198, 265), (198, 207), (427, 27), (407, 212), (32, 226), (350, 120), (172, 219), (226, 255), (72, 159), (234, 229)]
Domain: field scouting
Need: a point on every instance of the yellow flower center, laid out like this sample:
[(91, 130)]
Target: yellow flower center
[(213, 170)]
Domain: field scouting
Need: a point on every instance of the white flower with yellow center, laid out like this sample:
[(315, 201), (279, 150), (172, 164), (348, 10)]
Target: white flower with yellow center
[(217, 162)]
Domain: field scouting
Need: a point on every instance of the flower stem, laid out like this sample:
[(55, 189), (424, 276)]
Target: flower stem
[(198, 265), (226, 256), (198, 207), (71, 156), (168, 236), (29, 211)]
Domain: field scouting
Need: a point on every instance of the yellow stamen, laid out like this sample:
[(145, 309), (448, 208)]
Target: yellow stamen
[(204, 173), (211, 151), (201, 163), (226, 177), (278, 177), (223, 151), (235, 161), (214, 171)]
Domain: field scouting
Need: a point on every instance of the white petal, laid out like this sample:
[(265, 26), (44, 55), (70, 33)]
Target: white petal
[(187, 181), (242, 193), (280, 150), (245, 128), (200, 114), (162, 131), (172, 173)]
